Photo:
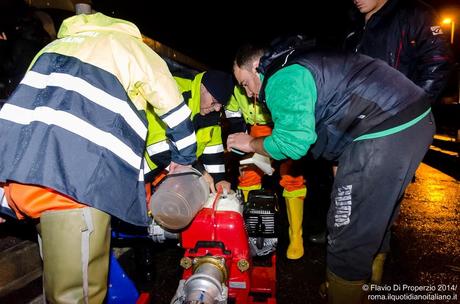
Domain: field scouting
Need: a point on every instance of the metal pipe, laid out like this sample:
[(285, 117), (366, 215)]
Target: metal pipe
[(205, 285)]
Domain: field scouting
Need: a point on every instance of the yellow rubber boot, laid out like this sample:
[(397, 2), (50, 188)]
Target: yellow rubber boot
[(294, 207), (341, 291), (377, 268), (246, 190)]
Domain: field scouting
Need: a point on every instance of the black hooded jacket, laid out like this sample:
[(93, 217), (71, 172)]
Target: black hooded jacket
[(405, 34)]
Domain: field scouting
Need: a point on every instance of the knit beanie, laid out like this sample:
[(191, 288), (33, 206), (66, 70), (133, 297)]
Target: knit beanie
[(219, 84)]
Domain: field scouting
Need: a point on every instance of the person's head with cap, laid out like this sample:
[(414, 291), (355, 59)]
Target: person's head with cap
[(216, 90)]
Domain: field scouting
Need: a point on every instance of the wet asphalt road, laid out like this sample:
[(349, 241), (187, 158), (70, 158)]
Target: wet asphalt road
[(426, 243)]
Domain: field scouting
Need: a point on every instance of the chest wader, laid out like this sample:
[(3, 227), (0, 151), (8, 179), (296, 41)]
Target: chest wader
[(75, 248)]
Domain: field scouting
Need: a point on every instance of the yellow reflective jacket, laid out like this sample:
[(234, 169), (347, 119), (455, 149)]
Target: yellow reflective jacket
[(240, 105), (210, 150)]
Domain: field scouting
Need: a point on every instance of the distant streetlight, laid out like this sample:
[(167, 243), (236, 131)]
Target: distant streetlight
[(452, 28)]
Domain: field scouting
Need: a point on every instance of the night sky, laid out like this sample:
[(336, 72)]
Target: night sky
[(211, 32)]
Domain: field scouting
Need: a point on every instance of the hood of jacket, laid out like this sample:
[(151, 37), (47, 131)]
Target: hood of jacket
[(96, 23)]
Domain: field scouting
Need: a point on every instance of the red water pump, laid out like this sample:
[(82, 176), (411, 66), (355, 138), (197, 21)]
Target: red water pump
[(230, 252)]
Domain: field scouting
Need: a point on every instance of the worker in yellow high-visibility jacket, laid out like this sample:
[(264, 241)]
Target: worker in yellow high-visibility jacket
[(205, 94)]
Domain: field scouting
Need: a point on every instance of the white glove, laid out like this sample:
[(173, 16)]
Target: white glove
[(261, 161)]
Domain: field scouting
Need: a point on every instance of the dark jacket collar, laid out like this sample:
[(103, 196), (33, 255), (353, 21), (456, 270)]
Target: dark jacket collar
[(389, 8)]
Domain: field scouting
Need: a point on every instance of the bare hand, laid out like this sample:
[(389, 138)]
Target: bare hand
[(226, 186), (240, 141), (2, 220), (175, 166), (210, 181)]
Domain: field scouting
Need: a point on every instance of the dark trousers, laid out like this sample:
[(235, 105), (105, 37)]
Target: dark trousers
[(371, 178)]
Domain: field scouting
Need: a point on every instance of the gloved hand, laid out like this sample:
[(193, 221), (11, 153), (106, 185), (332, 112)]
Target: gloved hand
[(261, 161)]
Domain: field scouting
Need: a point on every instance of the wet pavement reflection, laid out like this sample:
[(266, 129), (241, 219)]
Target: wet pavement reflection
[(426, 242)]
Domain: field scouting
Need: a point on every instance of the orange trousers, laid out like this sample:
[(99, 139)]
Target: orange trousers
[(32, 200)]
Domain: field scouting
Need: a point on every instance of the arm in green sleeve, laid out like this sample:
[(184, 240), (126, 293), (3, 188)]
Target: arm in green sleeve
[(291, 97)]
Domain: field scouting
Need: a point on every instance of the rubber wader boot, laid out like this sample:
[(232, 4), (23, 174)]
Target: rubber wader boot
[(377, 268), (294, 207), (75, 250), (341, 291)]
